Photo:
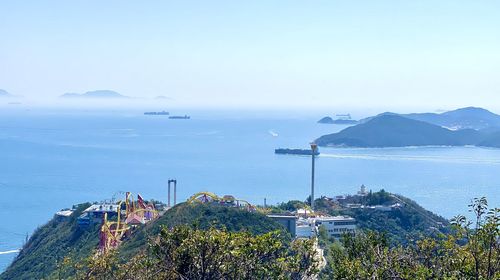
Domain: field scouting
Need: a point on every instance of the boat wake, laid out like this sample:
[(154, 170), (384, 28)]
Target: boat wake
[(413, 158), (9, 252)]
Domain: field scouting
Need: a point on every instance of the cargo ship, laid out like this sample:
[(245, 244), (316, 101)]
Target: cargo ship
[(185, 117), (305, 152), (162, 113)]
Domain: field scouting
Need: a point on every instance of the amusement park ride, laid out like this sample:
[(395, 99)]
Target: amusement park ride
[(131, 214), (227, 200), (136, 213)]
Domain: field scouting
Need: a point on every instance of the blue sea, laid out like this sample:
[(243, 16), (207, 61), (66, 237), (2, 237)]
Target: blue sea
[(52, 159)]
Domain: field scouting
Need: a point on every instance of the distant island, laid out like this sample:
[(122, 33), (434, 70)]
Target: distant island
[(341, 119), (398, 131), (463, 118), (4, 93), (162, 97), (395, 130), (95, 94)]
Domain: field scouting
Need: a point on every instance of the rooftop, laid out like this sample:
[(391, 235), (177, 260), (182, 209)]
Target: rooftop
[(102, 208), (64, 213), (282, 216), (335, 218)]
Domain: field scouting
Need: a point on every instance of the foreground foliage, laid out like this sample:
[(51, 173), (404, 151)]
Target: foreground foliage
[(200, 216), (186, 253), (61, 239), (472, 251)]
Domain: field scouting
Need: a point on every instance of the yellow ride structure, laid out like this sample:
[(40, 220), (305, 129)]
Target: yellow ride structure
[(135, 213), (227, 200), (203, 197), (139, 212), (112, 233)]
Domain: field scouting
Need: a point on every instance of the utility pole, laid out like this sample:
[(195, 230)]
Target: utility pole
[(313, 153)]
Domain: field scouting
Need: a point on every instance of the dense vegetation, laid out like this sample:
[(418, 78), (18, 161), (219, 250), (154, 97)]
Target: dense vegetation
[(200, 216), (186, 253), (42, 256), (49, 244), (471, 251), (400, 225), (203, 241), (292, 205)]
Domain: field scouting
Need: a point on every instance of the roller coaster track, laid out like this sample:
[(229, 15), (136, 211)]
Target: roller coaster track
[(112, 232), (205, 197)]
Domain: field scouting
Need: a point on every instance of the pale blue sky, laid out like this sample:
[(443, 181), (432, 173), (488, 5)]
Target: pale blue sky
[(434, 54)]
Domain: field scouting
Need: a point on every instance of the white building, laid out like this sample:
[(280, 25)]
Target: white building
[(65, 213), (304, 231), (338, 225), (305, 228), (362, 191), (303, 212)]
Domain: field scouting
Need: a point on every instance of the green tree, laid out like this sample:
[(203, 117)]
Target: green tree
[(472, 251), (186, 253)]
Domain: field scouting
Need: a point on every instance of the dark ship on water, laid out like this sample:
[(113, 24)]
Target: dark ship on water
[(185, 117), (304, 152), (161, 113)]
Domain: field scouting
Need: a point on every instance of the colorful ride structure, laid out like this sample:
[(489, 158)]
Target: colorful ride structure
[(130, 214), (135, 213), (227, 200)]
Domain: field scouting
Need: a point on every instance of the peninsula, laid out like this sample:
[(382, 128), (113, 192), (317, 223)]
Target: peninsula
[(463, 118), (397, 131)]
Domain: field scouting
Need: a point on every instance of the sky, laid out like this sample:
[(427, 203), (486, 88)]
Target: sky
[(423, 54)]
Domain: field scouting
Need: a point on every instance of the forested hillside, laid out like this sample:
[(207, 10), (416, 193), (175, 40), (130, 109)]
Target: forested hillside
[(44, 253)]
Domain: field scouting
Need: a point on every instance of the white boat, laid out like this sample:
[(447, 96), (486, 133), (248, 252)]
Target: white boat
[(273, 134)]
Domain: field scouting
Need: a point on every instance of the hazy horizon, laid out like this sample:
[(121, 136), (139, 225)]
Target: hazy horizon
[(221, 54)]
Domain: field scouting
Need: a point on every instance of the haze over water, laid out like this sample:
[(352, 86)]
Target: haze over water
[(54, 159), (371, 55)]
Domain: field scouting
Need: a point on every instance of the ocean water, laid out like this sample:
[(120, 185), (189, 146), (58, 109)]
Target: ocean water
[(51, 159)]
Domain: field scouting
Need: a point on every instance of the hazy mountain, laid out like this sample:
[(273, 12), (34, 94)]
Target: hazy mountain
[(4, 93), (389, 130), (162, 97), (94, 94), (470, 117), (491, 140), (327, 120)]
